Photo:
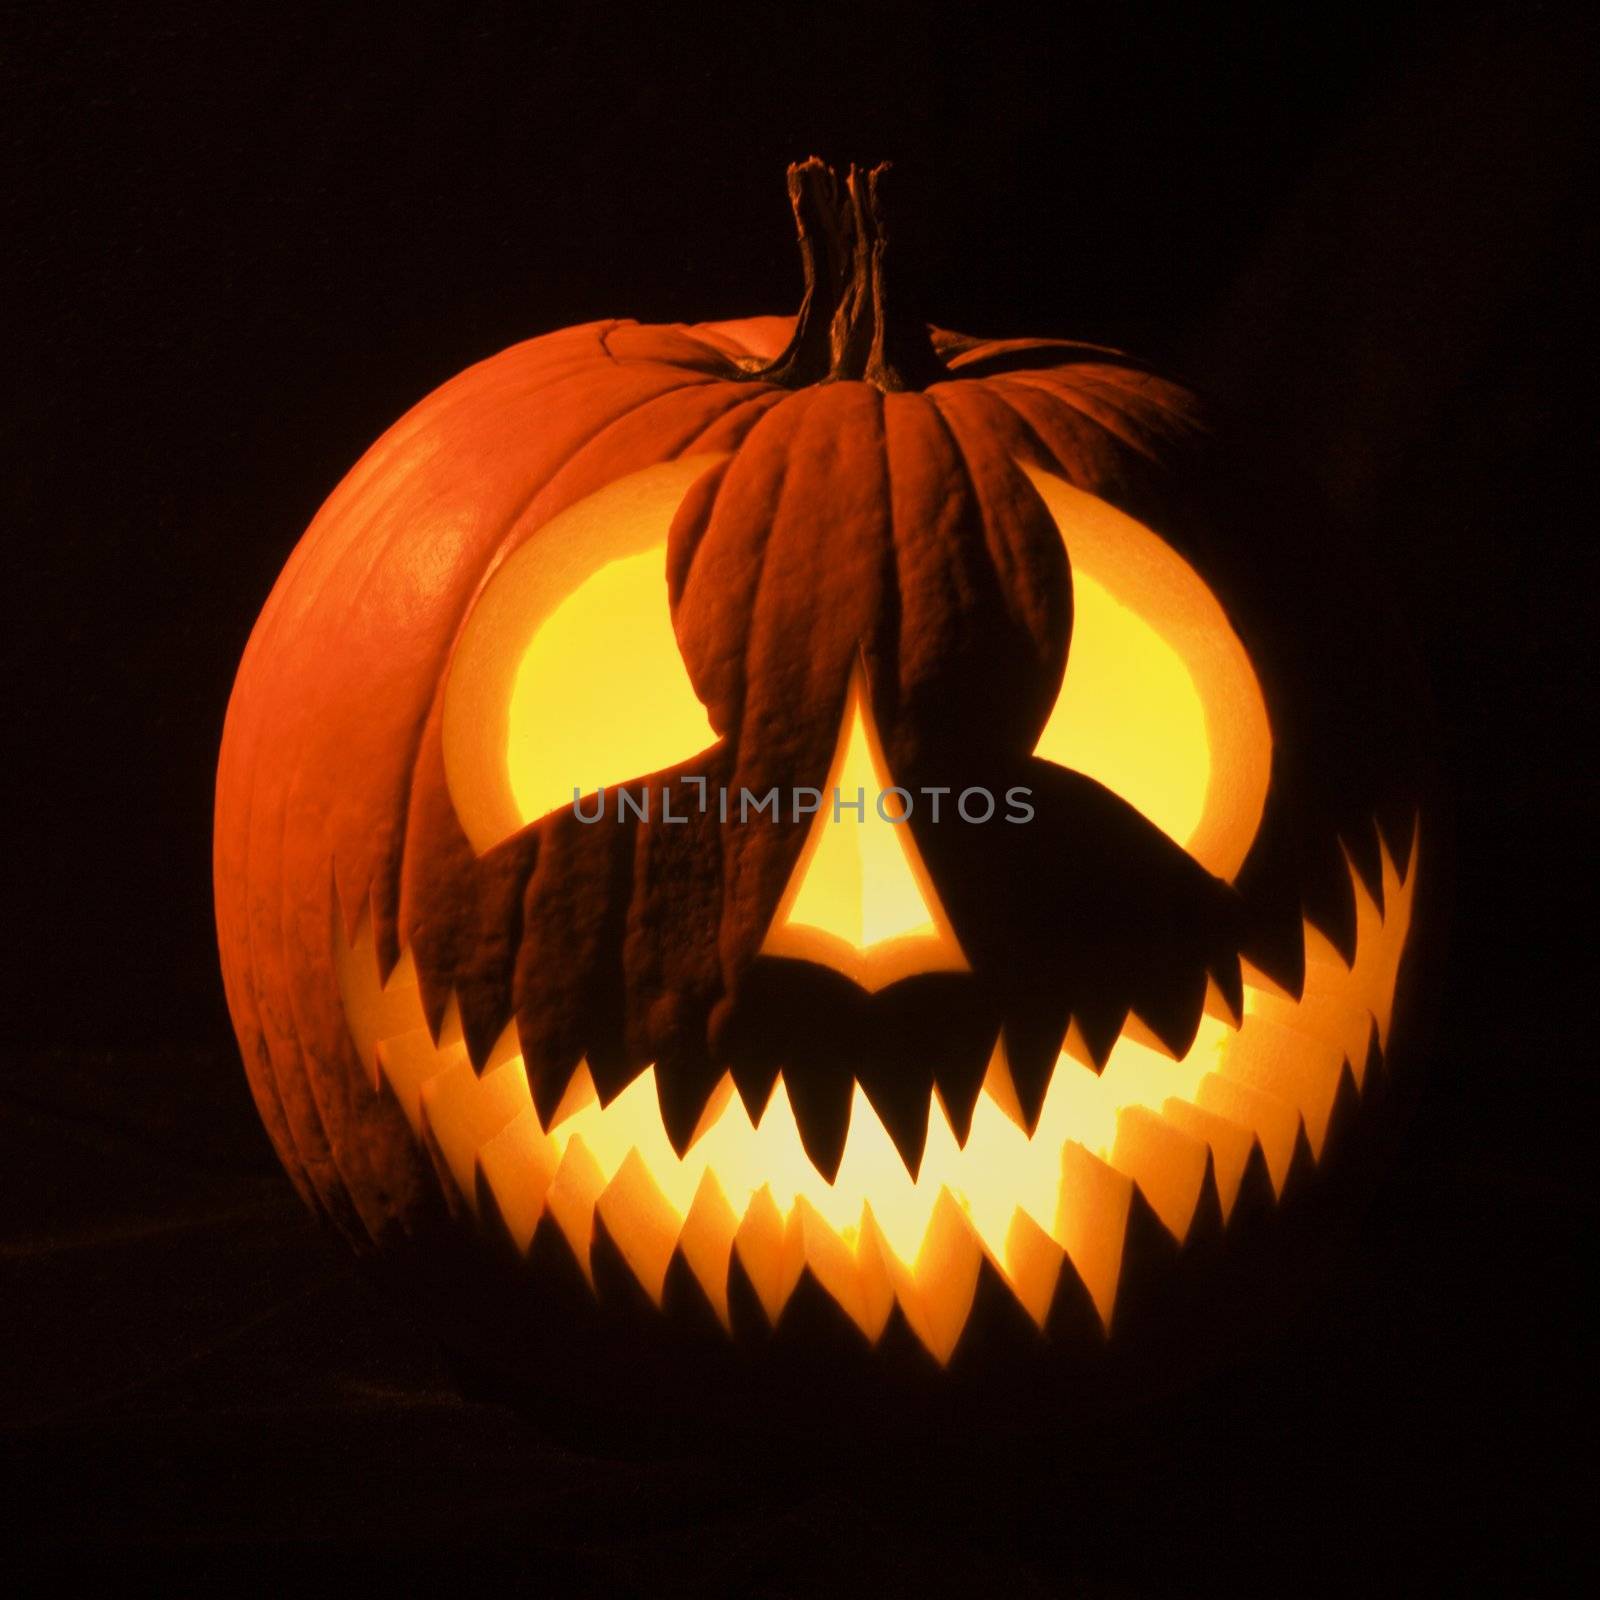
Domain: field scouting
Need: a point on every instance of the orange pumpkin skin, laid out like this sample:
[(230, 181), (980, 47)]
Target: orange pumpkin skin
[(857, 500)]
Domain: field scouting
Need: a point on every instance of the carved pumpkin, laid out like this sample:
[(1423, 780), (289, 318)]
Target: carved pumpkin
[(1102, 931)]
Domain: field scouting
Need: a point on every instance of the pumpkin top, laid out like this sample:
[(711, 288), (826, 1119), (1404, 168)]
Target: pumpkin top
[(849, 324)]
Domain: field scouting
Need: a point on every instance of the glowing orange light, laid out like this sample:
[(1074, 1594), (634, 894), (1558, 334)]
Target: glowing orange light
[(860, 900), (1159, 702), (876, 1235), (567, 674)]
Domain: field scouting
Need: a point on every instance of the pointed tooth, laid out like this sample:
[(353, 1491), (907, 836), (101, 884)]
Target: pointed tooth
[(465, 1112), (1000, 1087), (1169, 1164), (1092, 1221), (901, 1096), (1219, 1008), (1370, 1062), (571, 1198), (1329, 898), (1397, 827), (1273, 952), (1230, 1145), (503, 1049), (407, 1061), (755, 1082), (1092, 1033), (958, 1097), (1275, 1123), (772, 1252), (1278, 986), (1075, 1045), (820, 1095), (436, 1000), (518, 1164), (1295, 1066), (752, 1067), (1032, 1265), (958, 1076), (936, 1290), (722, 1093), (578, 1094), (1137, 1029), (1361, 846), (611, 1068), (684, 1090), (806, 1023), (855, 1277), (934, 1028), (1033, 1042), (641, 1222), (484, 1009), (372, 1009), (706, 1239), (550, 1071), (1170, 1016), (1225, 989), (1092, 1050), (449, 1031)]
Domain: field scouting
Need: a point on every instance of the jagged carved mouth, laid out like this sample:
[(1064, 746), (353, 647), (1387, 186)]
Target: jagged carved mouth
[(1153, 766), (1261, 1087)]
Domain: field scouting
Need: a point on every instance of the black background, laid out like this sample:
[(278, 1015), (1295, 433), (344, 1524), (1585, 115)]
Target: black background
[(248, 238)]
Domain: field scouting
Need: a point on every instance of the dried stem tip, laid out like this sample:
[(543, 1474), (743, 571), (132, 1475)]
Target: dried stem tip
[(850, 325)]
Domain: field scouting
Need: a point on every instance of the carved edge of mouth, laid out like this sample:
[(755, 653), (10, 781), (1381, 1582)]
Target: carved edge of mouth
[(1257, 1093)]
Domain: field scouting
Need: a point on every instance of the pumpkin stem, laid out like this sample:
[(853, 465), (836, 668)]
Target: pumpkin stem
[(849, 325)]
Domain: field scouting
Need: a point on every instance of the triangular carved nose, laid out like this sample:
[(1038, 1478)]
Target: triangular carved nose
[(860, 899)]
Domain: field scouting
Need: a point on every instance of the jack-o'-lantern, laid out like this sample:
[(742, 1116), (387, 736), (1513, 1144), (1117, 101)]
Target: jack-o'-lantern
[(816, 801)]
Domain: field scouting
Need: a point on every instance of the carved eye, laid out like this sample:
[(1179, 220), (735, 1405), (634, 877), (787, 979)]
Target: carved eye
[(567, 675), (1159, 702)]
